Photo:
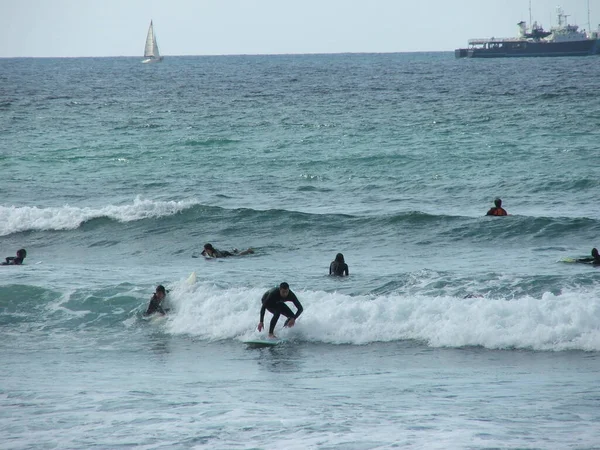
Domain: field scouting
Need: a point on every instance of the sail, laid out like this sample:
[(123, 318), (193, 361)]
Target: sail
[(155, 49), (151, 49)]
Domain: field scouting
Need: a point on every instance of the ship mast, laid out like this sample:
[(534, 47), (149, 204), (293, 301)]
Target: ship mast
[(562, 17)]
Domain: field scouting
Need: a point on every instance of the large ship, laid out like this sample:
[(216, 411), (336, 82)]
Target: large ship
[(561, 40)]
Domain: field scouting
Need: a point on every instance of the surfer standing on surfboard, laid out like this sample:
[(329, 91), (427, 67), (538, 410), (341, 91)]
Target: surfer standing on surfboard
[(274, 301)]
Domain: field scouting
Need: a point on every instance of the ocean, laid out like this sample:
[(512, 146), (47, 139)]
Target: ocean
[(454, 330)]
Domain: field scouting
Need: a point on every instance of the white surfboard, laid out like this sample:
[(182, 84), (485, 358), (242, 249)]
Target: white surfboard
[(191, 279), (158, 318), (155, 318)]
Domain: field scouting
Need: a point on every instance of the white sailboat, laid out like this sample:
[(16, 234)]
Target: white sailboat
[(151, 53)]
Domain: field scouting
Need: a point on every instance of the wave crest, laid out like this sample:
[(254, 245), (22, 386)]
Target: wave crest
[(15, 219)]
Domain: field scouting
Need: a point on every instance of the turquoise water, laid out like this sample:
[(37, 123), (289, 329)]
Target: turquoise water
[(454, 330)]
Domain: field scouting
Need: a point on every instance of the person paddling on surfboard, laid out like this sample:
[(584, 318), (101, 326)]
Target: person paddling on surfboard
[(211, 252), (595, 259), (16, 261), (156, 300), (274, 301), (498, 210)]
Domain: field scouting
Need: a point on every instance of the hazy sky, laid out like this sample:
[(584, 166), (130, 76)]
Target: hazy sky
[(220, 27)]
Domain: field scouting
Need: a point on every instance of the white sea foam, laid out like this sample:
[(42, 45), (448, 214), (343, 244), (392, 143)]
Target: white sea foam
[(552, 322), (14, 219)]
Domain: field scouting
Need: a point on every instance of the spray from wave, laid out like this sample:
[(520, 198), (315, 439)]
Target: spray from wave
[(551, 322)]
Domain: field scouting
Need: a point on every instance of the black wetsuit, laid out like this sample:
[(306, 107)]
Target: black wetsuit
[(217, 253), (275, 303), (338, 269), (154, 306), (13, 261), (594, 261)]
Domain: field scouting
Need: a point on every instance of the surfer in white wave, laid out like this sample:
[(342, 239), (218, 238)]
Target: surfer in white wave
[(156, 300), (274, 301)]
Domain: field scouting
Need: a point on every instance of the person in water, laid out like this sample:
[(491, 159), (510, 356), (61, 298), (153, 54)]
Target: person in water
[(338, 266), (498, 210), (274, 301), (595, 259), (16, 260), (211, 252), (156, 300)]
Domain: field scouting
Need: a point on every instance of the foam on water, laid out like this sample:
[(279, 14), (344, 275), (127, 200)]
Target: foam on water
[(552, 322), (557, 320), (14, 219)]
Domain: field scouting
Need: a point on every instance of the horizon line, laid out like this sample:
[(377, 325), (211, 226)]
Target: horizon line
[(233, 54)]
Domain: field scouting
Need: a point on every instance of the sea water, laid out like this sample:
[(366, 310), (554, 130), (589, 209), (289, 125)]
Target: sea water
[(453, 330)]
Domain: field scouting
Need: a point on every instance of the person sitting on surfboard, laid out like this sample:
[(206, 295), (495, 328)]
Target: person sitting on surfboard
[(274, 301), (498, 210), (338, 266), (16, 260), (595, 259), (156, 300), (211, 252)]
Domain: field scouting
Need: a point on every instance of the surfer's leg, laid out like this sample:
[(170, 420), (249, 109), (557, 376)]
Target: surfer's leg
[(287, 312), (274, 320)]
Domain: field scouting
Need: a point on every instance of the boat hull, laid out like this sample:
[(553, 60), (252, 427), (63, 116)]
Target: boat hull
[(152, 60), (516, 49)]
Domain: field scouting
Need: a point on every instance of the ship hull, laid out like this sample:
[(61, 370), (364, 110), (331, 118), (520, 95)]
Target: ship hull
[(516, 49), (152, 60)]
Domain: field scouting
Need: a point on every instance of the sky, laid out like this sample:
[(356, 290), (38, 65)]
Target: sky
[(73, 28)]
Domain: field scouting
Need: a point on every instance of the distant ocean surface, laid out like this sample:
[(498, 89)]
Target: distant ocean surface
[(453, 330)]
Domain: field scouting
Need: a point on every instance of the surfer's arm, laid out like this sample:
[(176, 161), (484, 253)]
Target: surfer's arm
[(297, 304), (263, 308), (262, 313), (261, 324)]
